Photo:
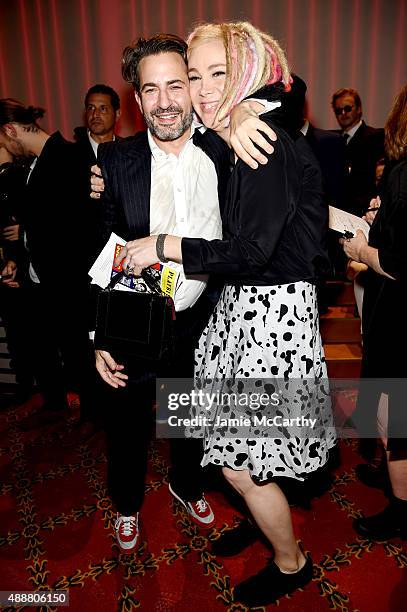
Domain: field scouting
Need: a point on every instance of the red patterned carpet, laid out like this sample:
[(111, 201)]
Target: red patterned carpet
[(56, 533)]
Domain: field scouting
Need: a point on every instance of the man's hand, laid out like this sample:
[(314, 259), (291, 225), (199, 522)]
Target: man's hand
[(354, 246), (8, 274), (11, 232), (138, 254), (109, 370), (97, 183), (244, 131)]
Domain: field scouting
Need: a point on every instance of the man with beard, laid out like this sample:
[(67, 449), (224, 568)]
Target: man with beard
[(170, 178), (157, 181)]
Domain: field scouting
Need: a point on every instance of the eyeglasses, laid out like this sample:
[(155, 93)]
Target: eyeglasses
[(343, 109)]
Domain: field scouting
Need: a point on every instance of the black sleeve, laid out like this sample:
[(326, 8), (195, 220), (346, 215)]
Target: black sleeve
[(110, 210), (259, 214), (393, 244)]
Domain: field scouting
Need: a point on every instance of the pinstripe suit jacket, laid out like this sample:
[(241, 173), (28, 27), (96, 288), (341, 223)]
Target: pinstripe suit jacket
[(126, 169)]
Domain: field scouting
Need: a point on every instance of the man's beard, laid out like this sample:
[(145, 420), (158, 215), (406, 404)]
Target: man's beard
[(166, 133)]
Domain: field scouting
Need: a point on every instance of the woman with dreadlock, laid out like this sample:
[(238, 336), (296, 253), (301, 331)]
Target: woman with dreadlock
[(265, 325)]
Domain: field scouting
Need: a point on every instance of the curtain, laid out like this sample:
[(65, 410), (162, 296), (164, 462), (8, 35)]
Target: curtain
[(52, 51)]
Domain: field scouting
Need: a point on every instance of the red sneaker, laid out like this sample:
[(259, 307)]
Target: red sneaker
[(199, 510), (127, 531)]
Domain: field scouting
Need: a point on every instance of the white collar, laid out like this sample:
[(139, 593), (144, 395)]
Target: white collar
[(158, 153), (305, 127), (95, 144), (353, 130)]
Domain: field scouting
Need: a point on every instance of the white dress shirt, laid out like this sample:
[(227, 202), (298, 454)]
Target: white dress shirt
[(184, 202), (352, 131), (31, 272), (95, 144)]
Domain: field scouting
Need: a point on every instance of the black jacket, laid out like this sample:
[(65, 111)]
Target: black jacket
[(365, 148), (275, 221), (126, 169), (92, 208), (53, 216), (329, 149)]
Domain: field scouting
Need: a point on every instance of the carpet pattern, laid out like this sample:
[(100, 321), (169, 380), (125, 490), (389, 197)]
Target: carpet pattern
[(56, 532)]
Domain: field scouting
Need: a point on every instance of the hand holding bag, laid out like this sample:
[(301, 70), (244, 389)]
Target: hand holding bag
[(133, 324)]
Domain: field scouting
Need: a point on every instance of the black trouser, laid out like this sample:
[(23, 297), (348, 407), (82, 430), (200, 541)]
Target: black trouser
[(129, 422), (59, 343)]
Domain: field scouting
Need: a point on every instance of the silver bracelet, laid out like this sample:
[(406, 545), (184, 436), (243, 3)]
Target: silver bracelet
[(159, 247)]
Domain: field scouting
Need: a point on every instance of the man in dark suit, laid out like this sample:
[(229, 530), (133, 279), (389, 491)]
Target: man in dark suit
[(102, 112), (364, 148), (171, 177), (55, 241)]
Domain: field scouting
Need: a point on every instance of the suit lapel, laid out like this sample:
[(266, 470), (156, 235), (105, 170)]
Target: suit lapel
[(134, 177)]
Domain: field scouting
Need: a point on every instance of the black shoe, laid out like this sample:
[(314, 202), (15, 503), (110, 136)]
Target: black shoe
[(271, 583), (233, 541), (372, 476), (390, 523)]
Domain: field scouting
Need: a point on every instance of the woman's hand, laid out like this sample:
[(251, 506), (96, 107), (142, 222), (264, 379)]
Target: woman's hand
[(138, 254), (354, 268), (353, 247), (97, 184), (9, 274), (11, 232), (244, 132), (372, 211)]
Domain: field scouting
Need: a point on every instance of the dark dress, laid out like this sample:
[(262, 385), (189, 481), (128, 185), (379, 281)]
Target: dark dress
[(384, 320)]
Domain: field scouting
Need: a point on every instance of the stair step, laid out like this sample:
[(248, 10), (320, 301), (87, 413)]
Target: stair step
[(343, 360), (340, 292), (340, 325)]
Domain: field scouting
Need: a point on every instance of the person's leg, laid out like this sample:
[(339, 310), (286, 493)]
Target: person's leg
[(186, 474), (271, 512), (390, 522), (43, 349), (398, 477), (128, 432), (79, 358), (186, 477), (290, 569)]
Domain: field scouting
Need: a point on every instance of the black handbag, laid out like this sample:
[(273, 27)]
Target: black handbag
[(138, 325)]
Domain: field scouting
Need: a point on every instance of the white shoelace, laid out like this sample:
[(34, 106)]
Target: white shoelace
[(127, 523), (201, 504)]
